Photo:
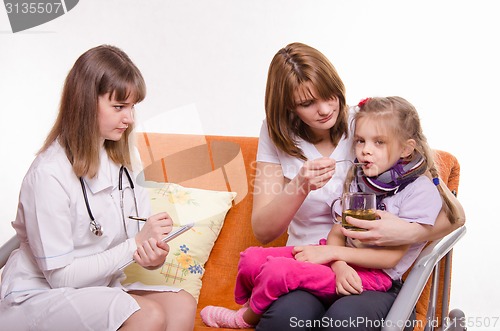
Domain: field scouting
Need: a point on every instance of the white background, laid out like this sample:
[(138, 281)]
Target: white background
[(208, 61)]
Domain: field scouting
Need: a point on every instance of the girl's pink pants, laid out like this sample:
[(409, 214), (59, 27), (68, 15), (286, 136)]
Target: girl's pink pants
[(264, 274)]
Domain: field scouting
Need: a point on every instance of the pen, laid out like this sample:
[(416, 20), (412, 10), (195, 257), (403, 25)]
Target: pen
[(137, 218)]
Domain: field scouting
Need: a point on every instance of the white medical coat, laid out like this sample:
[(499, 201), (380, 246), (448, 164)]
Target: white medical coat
[(52, 224)]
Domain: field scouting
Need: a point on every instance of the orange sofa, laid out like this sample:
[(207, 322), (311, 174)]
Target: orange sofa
[(196, 161), (228, 163)]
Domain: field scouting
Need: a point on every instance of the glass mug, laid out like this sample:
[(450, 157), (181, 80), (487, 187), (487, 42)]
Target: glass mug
[(359, 205)]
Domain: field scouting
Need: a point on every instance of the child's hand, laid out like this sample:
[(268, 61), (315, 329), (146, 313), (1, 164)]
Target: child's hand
[(347, 280), (151, 254), (321, 254)]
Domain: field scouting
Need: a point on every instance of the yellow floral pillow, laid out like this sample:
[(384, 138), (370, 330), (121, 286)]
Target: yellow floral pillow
[(189, 252)]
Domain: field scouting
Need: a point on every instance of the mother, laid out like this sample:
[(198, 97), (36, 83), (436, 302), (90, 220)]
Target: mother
[(305, 134)]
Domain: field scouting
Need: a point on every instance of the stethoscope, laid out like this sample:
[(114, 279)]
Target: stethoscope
[(95, 227)]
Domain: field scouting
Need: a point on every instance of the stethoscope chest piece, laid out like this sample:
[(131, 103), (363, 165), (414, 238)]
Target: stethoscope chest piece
[(96, 228)]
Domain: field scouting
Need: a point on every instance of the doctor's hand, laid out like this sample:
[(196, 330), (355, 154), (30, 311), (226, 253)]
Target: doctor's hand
[(156, 227), (151, 254)]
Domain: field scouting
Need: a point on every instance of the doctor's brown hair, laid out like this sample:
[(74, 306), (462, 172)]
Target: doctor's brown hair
[(290, 70), (100, 70)]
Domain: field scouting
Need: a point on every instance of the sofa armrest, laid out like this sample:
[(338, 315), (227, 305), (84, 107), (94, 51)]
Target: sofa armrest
[(417, 278), (7, 248)]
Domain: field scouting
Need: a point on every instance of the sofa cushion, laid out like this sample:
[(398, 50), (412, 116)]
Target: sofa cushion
[(184, 266)]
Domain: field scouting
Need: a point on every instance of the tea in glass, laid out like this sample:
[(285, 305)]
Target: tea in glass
[(368, 215), (359, 205)]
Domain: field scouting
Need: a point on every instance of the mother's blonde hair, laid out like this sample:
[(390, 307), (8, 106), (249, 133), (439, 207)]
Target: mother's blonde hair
[(100, 70)]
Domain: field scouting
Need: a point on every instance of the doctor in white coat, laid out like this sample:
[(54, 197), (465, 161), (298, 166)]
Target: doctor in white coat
[(73, 216)]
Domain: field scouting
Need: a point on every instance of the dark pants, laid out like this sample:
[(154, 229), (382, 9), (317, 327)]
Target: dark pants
[(300, 310)]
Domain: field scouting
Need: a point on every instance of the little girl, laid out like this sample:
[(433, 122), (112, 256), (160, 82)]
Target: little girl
[(389, 142)]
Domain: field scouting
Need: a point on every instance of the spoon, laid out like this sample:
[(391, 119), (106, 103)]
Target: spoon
[(352, 162)]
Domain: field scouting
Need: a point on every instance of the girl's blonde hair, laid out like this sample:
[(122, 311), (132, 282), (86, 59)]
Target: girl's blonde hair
[(291, 68), (100, 70), (401, 119)]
